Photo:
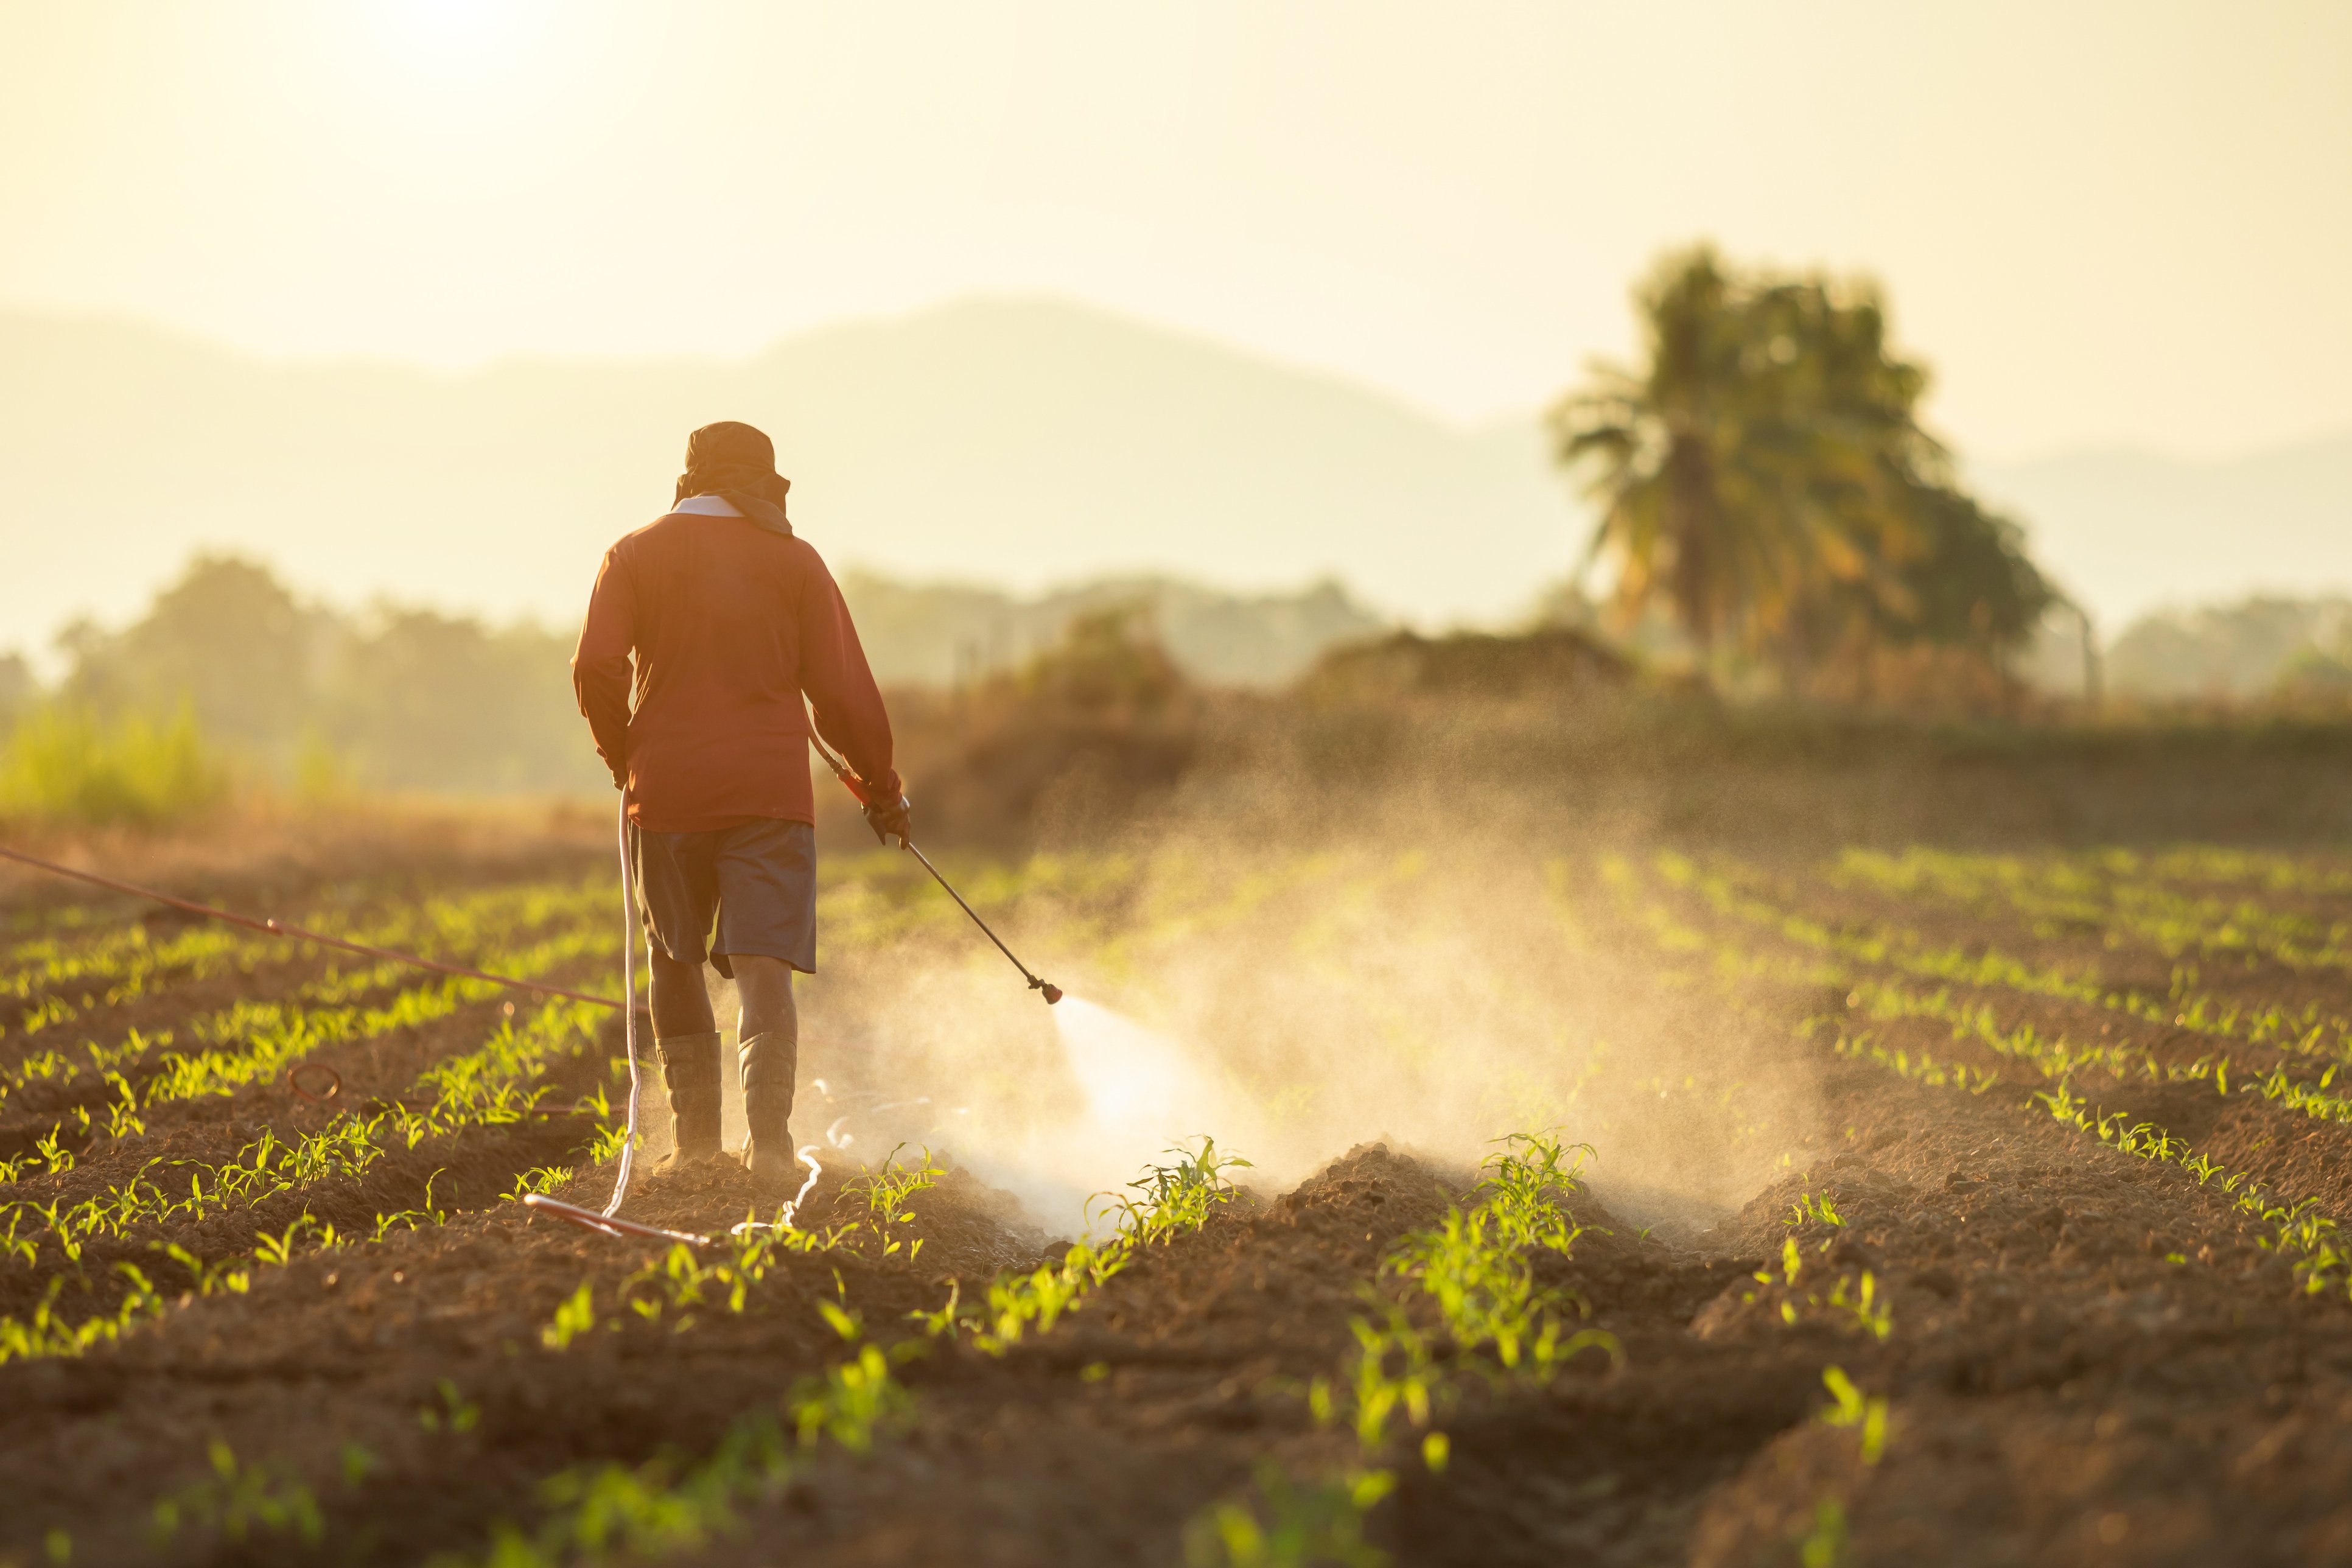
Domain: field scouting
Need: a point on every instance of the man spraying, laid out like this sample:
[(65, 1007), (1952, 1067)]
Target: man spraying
[(731, 618)]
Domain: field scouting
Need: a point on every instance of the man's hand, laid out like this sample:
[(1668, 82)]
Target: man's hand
[(889, 817)]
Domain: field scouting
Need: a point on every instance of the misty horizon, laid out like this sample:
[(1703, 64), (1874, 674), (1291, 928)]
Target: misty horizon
[(493, 363), (1017, 444)]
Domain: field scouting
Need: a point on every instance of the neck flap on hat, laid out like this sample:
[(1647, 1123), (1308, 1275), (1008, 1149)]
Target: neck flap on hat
[(747, 488)]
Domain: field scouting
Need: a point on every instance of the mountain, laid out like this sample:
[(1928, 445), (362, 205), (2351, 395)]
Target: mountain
[(2129, 532), (1019, 445), (1016, 443)]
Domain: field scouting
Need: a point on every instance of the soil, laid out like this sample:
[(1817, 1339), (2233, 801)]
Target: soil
[(2088, 1357)]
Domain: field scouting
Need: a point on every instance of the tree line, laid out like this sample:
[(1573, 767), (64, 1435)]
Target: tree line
[(394, 698)]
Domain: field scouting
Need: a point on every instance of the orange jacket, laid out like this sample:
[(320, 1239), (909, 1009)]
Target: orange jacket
[(729, 624)]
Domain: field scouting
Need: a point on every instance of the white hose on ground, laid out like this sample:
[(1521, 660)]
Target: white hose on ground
[(789, 1215), (784, 1220), (628, 1007)]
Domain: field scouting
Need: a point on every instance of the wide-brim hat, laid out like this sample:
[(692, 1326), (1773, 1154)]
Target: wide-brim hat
[(732, 456), (732, 459)]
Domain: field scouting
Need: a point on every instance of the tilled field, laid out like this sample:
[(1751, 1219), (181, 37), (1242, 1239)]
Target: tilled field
[(1945, 1209)]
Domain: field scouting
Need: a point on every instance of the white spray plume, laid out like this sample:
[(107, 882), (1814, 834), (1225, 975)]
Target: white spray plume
[(1436, 989)]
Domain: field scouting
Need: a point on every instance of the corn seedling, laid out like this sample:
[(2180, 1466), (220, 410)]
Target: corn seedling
[(1824, 1543), (886, 1193), (1815, 1208), (448, 1411), (1851, 1407), (857, 1401), (239, 1501), (644, 1512), (1175, 1200), (1285, 1524), (1471, 1271), (576, 1316)]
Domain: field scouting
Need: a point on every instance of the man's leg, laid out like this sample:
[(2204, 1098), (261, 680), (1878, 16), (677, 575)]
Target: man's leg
[(769, 1031), (685, 1039), (681, 1004)]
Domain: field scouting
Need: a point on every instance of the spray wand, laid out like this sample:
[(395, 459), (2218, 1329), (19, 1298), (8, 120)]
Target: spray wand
[(864, 793)]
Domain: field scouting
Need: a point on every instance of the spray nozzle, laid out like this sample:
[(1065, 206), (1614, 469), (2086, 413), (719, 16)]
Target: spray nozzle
[(1052, 991)]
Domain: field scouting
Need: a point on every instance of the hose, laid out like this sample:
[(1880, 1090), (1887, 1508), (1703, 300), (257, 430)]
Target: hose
[(629, 1036), (628, 1007), (297, 933), (628, 1003), (607, 1221)]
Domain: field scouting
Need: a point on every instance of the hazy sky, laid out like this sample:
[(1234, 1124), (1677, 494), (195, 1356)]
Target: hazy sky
[(2101, 223)]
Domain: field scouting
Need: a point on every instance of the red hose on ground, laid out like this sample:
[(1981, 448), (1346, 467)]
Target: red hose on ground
[(278, 928)]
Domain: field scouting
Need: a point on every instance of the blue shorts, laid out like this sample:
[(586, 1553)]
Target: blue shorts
[(756, 882)]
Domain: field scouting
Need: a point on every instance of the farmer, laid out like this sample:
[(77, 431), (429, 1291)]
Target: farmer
[(731, 618)]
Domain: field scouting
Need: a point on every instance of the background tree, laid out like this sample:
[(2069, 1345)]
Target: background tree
[(406, 699), (419, 699), (1765, 476), (228, 638)]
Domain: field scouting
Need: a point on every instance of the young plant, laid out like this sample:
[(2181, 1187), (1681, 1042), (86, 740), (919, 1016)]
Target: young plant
[(575, 1317), (238, 1500), (1284, 1522), (1851, 1407), (885, 1192), (858, 1400)]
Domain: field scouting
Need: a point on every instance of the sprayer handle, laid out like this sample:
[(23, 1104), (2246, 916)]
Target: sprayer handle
[(853, 783), (889, 822)]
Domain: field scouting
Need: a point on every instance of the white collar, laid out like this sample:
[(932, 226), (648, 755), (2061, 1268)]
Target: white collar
[(707, 506)]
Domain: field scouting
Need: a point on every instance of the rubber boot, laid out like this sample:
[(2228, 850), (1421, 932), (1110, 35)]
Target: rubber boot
[(689, 1066), (771, 1063)]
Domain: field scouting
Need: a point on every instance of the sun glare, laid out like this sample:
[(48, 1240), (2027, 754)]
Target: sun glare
[(449, 30)]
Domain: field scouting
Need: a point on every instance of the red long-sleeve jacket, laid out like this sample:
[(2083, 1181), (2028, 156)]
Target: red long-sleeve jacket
[(729, 624)]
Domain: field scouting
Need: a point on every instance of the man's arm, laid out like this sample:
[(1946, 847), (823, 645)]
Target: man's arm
[(600, 668), (840, 685)]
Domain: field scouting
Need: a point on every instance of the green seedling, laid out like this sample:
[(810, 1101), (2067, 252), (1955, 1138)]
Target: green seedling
[(1852, 1407), (1815, 1208), (12, 1246), (1824, 1545), (1020, 1303), (1174, 1200), (540, 1179), (278, 1250), (1283, 1523), (649, 1511), (886, 1193), (207, 1278), (856, 1402), (239, 1501), (576, 1316), (1865, 1303), (1392, 1374), (448, 1411), (947, 1322)]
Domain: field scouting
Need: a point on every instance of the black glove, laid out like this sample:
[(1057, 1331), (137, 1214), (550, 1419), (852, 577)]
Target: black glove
[(887, 814)]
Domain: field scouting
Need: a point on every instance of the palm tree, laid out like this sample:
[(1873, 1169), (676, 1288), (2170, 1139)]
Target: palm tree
[(1678, 462), (1766, 475)]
